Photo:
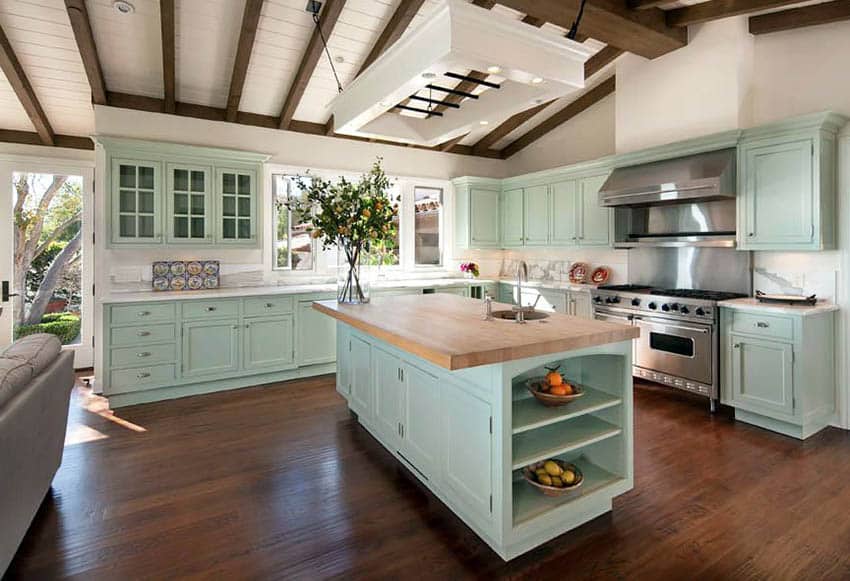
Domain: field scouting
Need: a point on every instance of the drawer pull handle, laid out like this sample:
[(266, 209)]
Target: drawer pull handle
[(143, 354), (144, 313), (143, 375), (762, 325), (210, 309), (269, 305), (143, 333)]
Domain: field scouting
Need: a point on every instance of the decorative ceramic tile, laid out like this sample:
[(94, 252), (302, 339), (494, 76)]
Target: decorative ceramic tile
[(178, 275)]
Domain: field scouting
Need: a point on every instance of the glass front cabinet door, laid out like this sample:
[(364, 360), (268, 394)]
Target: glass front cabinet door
[(237, 204), (136, 210), (189, 208)]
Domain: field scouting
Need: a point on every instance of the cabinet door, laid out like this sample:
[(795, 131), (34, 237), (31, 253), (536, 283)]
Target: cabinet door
[(536, 209), (268, 343), (779, 194), (595, 220), (316, 336), (549, 301), (512, 218), (762, 375), (581, 305), (360, 400), (420, 433), (562, 214), (386, 371), (467, 450), (484, 218), (136, 201), (343, 361), (237, 206), (210, 347), (188, 200)]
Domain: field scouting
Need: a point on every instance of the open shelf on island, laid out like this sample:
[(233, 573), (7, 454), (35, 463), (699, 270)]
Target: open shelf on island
[(529, 414), (559, 438), (529, 503)]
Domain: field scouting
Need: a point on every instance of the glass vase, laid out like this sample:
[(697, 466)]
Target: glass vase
[(352, 285)]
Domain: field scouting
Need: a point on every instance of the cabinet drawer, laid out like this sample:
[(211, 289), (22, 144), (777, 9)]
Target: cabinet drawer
[(141, 378), (141, 335), (763, 325), (268, 306), (210, 309), (145, 355), (123, 314)]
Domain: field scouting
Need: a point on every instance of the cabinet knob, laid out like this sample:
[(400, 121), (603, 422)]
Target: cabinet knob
[(210, 309), (762, 325), (737, 345), (143, 354), (751, 234), (269, 305), (143, 333), (144, 313), (143, 375)]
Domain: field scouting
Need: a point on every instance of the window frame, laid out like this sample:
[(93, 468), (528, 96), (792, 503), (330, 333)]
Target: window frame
[(441, 227), (274, 239)]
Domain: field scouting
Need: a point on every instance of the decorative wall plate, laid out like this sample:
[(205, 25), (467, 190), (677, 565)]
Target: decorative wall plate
[(579, 272), (600, 275)]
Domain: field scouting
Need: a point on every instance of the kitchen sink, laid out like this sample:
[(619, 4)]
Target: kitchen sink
[(511, 315)]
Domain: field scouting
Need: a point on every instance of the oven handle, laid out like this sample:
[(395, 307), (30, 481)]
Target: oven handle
[(671, 326)]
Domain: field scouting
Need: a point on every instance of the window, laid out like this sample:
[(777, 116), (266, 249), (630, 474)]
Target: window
[(388, 254), (294, 248), (428, 216)]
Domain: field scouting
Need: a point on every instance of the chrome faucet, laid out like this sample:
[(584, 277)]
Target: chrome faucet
[(488, 307), (521, 275)]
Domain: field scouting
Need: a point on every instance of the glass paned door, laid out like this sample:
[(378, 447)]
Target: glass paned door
[(136, 185), (238, 209), (188, 204), (46, 264)]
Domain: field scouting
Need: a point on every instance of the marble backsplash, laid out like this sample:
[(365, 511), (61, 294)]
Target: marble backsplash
[(552, 270), (820, 283)]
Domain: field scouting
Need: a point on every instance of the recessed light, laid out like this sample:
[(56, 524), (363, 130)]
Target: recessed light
[(429, 76), (484, 123), (339, 59), (536, 80), (494, 70), (123, 7)]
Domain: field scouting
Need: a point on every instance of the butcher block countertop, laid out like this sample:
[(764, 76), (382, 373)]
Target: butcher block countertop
[(450, 331)]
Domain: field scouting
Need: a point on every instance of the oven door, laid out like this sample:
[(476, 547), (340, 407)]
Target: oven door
[(613, 316), (682, 349)]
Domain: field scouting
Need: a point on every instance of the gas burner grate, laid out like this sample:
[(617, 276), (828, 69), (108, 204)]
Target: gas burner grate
[(625, 287), (705, 295)]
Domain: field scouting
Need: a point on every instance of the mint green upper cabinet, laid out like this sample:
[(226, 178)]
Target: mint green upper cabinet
[(595, 221), (189, 214), (787, 174), (562, 215), (136, 201), (237, 202), (484, 218), (210, 347), (316, 335), (536, 212), (268, 342), (512, 218)]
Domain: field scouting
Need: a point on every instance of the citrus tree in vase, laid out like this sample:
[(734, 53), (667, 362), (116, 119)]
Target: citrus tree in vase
[(354, 217)]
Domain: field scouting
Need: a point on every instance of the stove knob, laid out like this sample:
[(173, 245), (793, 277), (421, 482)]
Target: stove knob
[(615, 300), (597, 299), (700, 312), (675, 306), (684, 310), (653, 306), (665, 307), (635, 302)]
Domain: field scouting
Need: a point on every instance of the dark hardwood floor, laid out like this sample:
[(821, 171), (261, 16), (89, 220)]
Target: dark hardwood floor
[(279, 482)]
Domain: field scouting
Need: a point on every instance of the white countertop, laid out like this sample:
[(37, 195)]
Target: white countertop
[(751, 304), (289, 289)]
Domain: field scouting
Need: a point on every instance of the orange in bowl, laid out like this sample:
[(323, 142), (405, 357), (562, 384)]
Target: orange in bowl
[(558, 390), (554, 378)]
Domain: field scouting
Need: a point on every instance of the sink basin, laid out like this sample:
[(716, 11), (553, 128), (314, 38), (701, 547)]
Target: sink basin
[(511, 315)]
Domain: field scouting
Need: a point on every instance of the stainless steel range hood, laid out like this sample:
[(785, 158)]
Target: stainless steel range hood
[(703, 177)]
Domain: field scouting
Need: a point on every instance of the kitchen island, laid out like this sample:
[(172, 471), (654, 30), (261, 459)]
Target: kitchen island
[(444, 391)]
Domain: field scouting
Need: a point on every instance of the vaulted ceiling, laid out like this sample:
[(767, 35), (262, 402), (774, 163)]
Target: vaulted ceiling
[(260, 62)]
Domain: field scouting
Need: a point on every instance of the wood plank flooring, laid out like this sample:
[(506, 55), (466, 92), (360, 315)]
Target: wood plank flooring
[(279, 482)]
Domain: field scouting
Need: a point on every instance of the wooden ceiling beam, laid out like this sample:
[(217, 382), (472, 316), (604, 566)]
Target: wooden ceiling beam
[(717, 9), (154, 105), (81, 26), (397, 24), (447, 146), (584, 102), (800, 17), (32, 138), (643, 32), (646, 4), (166, 20), (11, 67), (247, 34), (327, 21), (600, 60), (513, 122)]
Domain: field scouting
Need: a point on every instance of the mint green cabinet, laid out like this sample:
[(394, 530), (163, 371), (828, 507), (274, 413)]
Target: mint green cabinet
[(268, 342), (536, 213), (421, 435), (562, 214), (386, 369), (211, 347), (316, 336), (237, 202), (787, 183), (476, 213), (343, 361), (513, 221), (361, 396), (594, 227), (137, 201), (762, 374), (188, 202)]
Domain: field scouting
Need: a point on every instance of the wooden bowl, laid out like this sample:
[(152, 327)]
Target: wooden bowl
[(534, 387), (529, 474)]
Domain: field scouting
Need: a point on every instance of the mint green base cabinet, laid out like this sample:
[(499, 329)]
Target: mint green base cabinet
[(268, 342), (476, 213), (211, 347), (316, 335), (787, 184), (778, 369), (467, 434)]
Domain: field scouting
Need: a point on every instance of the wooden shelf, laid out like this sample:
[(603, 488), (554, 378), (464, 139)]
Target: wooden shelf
[(529, 414), (559, 438), (529, 503)]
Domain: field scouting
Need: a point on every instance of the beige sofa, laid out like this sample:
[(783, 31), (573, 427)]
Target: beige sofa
[(36, 378)]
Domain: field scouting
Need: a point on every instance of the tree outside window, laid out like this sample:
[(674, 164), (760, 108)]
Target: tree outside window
[(294, 248), (428, 215)]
